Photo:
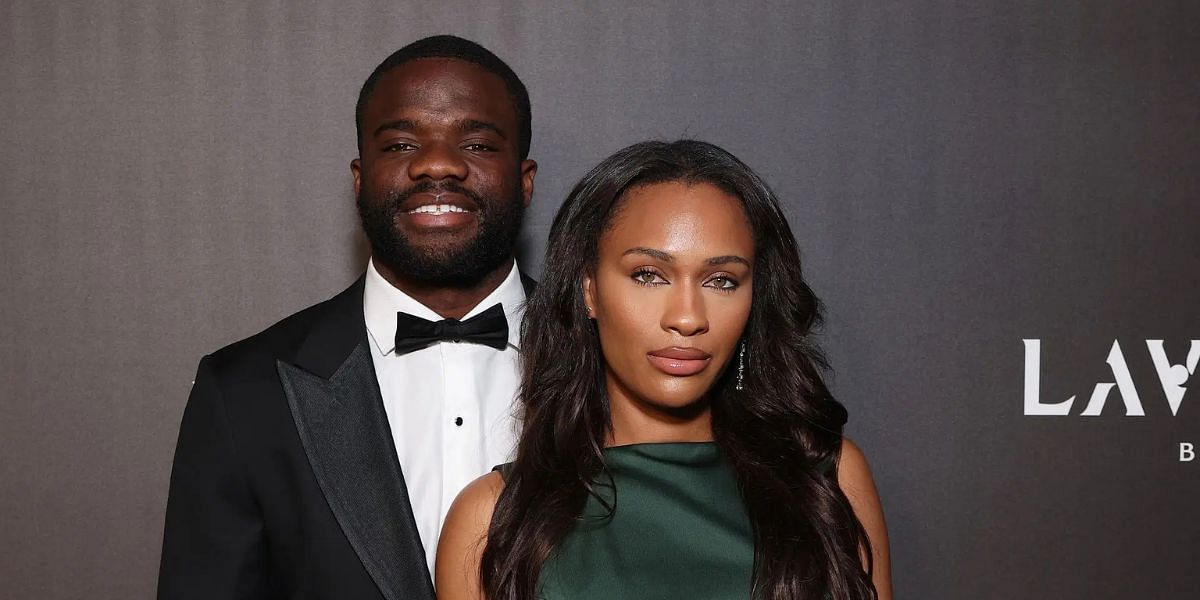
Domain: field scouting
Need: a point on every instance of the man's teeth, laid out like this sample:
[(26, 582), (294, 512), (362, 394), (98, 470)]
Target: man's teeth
[(437, 209)]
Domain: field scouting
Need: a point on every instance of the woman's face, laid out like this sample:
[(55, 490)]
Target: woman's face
[(671, 293)]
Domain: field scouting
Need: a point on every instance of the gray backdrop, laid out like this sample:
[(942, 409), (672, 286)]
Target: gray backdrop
[(961, 176)]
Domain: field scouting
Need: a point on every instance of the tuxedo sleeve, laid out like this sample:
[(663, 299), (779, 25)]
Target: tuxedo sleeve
[(213, 542)]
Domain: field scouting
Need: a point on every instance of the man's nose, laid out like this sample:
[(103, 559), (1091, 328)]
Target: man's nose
[(437, 161)]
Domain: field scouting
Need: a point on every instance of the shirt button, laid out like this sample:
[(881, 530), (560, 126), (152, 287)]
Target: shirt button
[(458, 421)]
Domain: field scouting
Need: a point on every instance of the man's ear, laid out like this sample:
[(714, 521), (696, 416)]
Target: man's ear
[(528, 172), (356, 171)]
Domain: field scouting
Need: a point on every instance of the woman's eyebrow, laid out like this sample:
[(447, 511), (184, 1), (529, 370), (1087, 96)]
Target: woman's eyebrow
[(724, 260), (665, 257), (659, 254)]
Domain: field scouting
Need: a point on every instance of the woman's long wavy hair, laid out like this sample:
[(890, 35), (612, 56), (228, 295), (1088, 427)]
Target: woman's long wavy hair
[(776, 432)]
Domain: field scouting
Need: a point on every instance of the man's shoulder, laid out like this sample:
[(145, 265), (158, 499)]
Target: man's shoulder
[(274, 341), (282, 340)]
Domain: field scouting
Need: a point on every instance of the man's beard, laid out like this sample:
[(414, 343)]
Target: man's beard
[(462, 265)]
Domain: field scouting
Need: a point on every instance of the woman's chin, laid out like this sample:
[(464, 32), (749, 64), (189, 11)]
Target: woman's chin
[(683, 407)]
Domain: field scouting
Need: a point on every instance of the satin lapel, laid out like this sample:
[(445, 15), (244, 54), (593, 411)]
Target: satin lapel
[(345, 433), (529, 284)]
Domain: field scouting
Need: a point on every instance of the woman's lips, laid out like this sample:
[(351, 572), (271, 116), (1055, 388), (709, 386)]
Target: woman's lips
[(679, 362)]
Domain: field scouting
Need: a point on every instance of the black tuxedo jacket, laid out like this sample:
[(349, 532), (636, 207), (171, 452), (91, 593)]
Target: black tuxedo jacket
[(286, 482)]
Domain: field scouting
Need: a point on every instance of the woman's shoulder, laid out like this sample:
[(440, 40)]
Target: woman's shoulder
[(471, 513), (851, 457), (478, 497), (855, 480), (463, 537), (853, 471)]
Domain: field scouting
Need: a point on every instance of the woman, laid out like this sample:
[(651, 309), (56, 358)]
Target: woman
[(678, 440)]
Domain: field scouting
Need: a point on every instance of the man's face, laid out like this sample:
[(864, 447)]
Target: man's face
[(440, 183)]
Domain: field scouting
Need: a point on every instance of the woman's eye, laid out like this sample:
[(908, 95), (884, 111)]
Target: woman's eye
[(648, 278), (725, 284)]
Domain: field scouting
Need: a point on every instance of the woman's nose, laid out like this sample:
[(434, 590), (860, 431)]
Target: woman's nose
[(685, 313)]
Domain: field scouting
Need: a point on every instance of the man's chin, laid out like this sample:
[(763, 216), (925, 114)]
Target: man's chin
[(453, 265), (440, 242), (439, 257)]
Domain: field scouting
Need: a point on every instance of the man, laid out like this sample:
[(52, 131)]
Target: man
[(318, 458)]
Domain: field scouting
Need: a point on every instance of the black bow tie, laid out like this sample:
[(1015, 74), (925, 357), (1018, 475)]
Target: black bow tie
[(489, 328)]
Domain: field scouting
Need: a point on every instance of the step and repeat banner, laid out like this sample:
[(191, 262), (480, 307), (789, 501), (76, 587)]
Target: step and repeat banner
[(998, 202)]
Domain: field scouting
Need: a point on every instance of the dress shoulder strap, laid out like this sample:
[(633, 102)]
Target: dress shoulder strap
[(828, 466), (505, 470)]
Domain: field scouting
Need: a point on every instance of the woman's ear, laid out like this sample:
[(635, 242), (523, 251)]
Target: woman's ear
[(589, 296)]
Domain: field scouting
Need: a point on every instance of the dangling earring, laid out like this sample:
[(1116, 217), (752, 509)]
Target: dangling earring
[(741, 372)]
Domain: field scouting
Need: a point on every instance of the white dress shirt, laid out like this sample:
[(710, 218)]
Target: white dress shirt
[(450, 406)]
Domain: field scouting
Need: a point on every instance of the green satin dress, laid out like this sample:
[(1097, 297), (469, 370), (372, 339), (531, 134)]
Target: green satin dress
[(679, 530)]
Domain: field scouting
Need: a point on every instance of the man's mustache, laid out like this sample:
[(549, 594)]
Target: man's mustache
[(399, 197)]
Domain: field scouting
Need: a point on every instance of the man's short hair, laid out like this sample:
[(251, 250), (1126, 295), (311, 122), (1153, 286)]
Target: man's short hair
[(449, 46)]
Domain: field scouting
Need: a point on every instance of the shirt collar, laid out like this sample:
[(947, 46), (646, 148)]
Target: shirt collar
[(382, 300)]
